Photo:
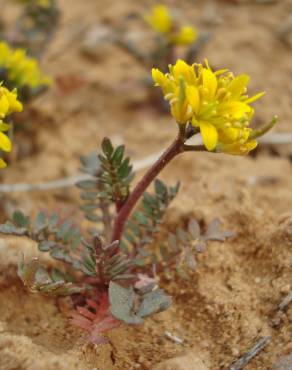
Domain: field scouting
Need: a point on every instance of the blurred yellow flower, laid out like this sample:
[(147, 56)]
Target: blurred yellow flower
[(21, 69), (40, 3), (161, 20), (8, 104), (215, 103), (185, 36)]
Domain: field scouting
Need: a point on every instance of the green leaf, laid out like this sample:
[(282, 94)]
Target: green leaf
[(90, 164), (46, 245), (194, 229), (40, 223), (160, 188), (53, 221), (89, 207), (89, 195), (9, 228), (122, 303), (125, 169), (118, 154), (107, 147), (112, 181), (56, 275), (20, 219), (27, 271), (93, 217), (42, 276), (214, 233), (86, 184), (63, 230), (141, 218), (182, 235), (59, 253), (154, 302)]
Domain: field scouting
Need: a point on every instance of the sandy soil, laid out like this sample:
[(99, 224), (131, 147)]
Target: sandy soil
[(230, 301)]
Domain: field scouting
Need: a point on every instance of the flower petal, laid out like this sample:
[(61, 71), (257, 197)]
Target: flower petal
[(209, 81), (160, 19), (209, 135), (4, 126), (237, 85), (186, 35), (5, 143), (254, 98), (4, 105), (158, 77), (182, 69), (193, 98), (2, 163)]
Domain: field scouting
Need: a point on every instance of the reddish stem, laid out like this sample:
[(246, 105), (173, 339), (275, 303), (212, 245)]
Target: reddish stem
[(174, 149)]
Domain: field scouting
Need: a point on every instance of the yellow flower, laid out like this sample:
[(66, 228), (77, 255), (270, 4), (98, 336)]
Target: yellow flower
[(21, 69), (40, 3), (8, 104), (160, 19), (185, 36), (174, 89), (216, 103), (5, 53), (236, 141)]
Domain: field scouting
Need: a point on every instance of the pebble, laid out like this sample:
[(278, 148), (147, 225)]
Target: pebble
[(235, 351), (285, 289), (97, 41)]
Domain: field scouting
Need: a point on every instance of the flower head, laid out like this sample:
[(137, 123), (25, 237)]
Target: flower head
[(162, 21), (216, 103), (185, 36), (8, 104), (21, 69), (40, 3)]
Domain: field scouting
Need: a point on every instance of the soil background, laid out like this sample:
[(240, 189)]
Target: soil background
[(231, 300)]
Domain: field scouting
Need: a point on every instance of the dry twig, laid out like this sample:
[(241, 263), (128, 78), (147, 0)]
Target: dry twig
[(248, 356), (173, 337), (286, 302)]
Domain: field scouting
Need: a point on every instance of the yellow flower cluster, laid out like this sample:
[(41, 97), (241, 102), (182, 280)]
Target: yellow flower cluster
[(216, 103), (21, 69), (40, 3), (8, 104), (162, 22)]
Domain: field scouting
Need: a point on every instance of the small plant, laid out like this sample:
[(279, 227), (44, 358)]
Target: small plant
[(170, 33), (8, 104), (112, 267), (20, 71)]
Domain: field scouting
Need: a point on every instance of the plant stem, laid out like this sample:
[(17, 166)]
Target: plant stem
[(173, 150), (194, 148)]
